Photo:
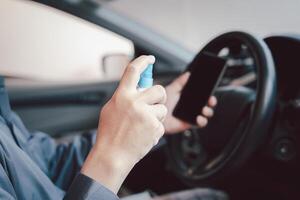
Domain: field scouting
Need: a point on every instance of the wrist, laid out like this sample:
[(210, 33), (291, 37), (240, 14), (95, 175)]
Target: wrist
[(107, 167)]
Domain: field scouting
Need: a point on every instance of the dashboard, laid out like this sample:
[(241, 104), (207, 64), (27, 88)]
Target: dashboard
[(286, 51)]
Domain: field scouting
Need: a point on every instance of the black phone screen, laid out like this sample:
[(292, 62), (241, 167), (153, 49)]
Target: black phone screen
[(206, 72)]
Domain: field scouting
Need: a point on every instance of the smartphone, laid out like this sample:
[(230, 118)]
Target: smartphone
[(206, 72)]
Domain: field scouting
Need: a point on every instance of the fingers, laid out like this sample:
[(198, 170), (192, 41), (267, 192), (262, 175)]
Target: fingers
[(212, 101), (180, 82), (160, 132), (154, 95), (133, 71), (201, 121), (207, 112), (160, 111)]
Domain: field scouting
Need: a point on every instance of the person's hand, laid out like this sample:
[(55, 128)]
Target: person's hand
[(130, 125), (174, 125)]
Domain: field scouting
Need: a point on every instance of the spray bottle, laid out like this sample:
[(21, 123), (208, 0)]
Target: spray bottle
[(146, 79)]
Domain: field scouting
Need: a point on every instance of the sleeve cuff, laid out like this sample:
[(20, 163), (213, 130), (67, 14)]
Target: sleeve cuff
[(84, 188)]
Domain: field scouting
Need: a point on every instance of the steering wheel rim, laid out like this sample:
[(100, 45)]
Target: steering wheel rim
[(257, 126)]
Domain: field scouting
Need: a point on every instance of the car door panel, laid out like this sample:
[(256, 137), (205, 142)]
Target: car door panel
[(61, 109)]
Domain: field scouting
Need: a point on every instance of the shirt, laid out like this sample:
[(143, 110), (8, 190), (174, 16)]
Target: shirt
[(34, 166)]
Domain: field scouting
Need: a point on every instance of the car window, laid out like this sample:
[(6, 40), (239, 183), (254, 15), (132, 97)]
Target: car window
[(44, 44), (193, 23)]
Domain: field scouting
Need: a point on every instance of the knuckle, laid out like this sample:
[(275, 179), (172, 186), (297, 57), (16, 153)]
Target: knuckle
[(132, 105), (119, 98), (156, 140), (159, 128), (135, 64), (125, 103), (143, 57), (162, 91), (132, 68), (153, 125), (139, 113), (141, 154), (162, 130), (165, 110)]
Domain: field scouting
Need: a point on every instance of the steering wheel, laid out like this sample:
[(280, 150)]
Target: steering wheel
[(240, 124)]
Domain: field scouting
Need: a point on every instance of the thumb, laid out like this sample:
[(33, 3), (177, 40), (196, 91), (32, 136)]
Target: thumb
[(133, 71), (180, 82)]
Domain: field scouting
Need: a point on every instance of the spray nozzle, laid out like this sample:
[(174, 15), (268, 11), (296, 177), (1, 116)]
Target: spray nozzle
[(146, 79)]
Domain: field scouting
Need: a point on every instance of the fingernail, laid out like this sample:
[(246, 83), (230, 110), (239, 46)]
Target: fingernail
[(186, 74), (208, 112), (202, 121), (151, 58)]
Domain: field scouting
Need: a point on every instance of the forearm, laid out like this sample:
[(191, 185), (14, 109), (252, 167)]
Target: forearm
[(107, 168)]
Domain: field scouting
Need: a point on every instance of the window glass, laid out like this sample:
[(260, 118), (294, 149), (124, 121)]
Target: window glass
[(193, 23), (44, 44)]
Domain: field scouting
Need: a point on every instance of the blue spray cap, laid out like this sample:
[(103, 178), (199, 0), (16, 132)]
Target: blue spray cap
[(146, 79)]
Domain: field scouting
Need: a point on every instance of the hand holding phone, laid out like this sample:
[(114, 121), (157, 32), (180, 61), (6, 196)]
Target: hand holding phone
[(206, 73)]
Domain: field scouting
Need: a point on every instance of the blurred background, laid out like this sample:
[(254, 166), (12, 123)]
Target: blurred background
[(42, 43)]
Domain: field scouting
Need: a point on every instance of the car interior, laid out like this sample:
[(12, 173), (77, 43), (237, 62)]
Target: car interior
[(250, 148)]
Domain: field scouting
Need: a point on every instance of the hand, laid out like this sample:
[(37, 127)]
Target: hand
[(130, 125), (174, 125)]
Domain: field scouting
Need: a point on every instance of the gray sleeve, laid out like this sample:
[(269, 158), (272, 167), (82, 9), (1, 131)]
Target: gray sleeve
[(60, 161), (85, 188), (68, 158), (5, 195), (6, 189)]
